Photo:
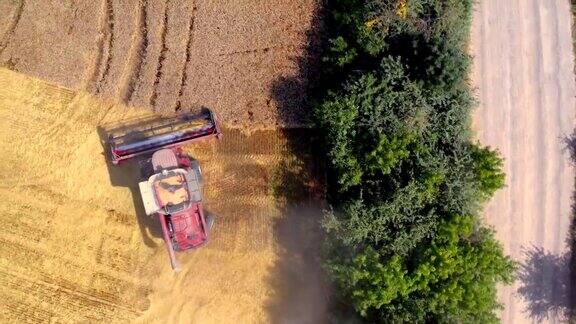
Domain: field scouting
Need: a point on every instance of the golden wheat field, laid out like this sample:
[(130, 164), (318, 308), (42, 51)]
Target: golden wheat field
[(75, 247)]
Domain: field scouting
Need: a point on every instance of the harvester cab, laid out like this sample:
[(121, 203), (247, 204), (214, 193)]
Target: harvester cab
[(172, 184)]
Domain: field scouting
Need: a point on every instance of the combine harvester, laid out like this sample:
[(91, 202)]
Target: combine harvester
[(172, 184)]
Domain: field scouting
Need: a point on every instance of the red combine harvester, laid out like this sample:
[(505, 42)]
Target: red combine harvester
[(172, 180)]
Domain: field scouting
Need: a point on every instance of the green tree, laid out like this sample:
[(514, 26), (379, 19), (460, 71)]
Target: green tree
[(487, 170), (397, 225), (454, 278), (394, 112), (370, 283), (370, 123), (387, 153)]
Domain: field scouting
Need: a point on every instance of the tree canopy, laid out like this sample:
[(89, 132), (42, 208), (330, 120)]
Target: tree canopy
[(406, 181)]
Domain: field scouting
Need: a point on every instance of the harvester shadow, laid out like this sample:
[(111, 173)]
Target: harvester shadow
[(127, 174)]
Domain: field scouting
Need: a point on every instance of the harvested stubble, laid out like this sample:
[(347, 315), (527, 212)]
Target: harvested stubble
[(74, 249)]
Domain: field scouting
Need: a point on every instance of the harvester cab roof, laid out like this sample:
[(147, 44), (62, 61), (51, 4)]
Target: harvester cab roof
[(169, 192)]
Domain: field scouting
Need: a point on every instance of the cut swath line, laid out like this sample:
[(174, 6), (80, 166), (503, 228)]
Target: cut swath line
[(12, 26), (262, 50), (184, 78), (162, 56), (136, 66), (50, 285), (130, 68), (109, 14), (91, 83)]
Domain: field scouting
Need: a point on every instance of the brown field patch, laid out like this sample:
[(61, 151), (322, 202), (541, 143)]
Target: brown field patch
[(250, 61)]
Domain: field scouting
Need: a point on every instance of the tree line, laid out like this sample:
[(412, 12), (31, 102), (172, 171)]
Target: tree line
[(406, 181)]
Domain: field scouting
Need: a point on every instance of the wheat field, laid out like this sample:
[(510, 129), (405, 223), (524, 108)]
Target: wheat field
[(75, 248)]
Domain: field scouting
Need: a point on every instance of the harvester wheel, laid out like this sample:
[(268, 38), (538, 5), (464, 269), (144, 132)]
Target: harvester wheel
[(210, 221), (195, 165)]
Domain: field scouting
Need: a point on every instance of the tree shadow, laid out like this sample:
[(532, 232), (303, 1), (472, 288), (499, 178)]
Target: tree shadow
[(571, 255), (570, 145), (547, 280), (292, 94), (545, 284), (300, 291), (127, 174)]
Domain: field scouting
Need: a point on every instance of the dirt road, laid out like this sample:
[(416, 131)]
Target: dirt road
[(523, 69)]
